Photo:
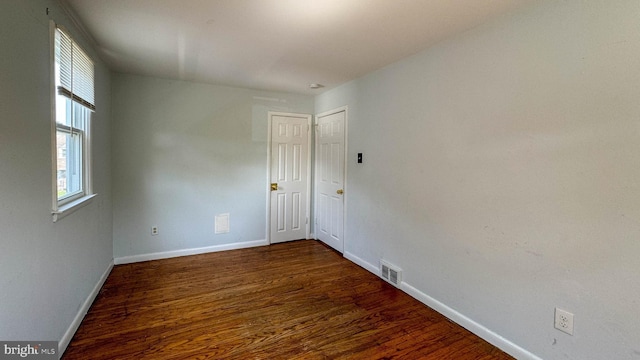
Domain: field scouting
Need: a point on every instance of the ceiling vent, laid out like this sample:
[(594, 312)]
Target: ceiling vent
[(390, 273)]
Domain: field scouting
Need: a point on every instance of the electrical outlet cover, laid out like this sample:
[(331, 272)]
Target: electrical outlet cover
[(564, 321)]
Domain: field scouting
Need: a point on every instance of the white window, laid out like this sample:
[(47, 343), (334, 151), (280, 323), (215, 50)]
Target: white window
[(73, 108)]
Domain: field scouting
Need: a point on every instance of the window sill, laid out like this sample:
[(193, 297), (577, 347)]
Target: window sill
[(71, 207)]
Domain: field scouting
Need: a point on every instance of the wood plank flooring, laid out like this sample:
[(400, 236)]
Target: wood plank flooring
[(296, 300)]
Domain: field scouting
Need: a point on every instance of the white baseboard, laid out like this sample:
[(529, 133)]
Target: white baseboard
[(469, 324), (455, 316), (185, 252), (75, 324), (362, 263)]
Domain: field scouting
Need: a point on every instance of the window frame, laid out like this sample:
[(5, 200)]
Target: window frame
[(82, 133), (69, 204)]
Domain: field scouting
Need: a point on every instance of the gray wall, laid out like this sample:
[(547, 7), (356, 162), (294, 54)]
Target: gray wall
[(47, 270), (185, 152), (501, 173)]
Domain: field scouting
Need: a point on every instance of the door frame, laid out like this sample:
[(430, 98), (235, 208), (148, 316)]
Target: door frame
[(309, 117), (344, 108)]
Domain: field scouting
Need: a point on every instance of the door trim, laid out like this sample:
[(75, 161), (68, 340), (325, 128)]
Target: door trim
[(345, 186), (309, 117)]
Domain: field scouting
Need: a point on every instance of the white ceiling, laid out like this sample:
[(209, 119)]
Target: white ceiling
[(280, 45)]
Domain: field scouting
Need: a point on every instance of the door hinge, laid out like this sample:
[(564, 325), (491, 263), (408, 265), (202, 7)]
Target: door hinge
[(307, 221)]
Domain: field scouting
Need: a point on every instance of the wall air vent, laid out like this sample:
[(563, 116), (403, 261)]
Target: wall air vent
[(222, 224), (390, 273)]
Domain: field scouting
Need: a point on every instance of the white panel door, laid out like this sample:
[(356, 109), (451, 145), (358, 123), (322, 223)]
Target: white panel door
[(330, 166), (289, 177)]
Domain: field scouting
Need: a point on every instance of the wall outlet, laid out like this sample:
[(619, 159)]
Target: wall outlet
[(154, 230), (564, 321)]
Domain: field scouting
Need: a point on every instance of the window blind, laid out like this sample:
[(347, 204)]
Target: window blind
[(75, 71)]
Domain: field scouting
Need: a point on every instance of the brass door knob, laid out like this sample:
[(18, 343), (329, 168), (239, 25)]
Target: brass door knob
[(340, 192), (274, 186)]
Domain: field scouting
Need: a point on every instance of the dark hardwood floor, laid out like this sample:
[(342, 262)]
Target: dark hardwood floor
[(297, 300)]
